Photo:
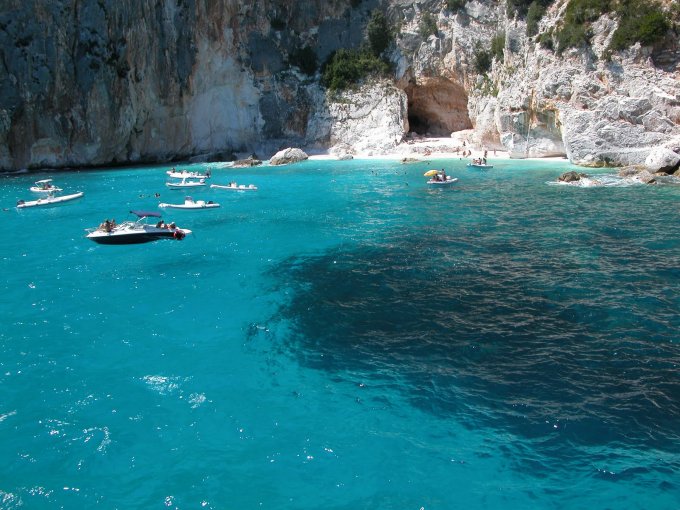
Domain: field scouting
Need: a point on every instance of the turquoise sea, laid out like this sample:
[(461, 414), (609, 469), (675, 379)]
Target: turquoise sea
[(343, 338)]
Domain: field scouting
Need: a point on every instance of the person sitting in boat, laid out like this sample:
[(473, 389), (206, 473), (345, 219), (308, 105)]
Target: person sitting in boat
[(160, 224), (106, 226), (172, 226), (443, 175)]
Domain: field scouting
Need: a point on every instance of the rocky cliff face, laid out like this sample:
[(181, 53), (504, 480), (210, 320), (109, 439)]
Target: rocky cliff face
[(536, 103), (101, 82)]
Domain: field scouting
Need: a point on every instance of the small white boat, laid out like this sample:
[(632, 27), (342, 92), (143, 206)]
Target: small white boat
[(235, 187), (186, 183), (190, 203), (478, 164), (449, 180), (48, 200), (136, 232), (185, 174), (44, 186)]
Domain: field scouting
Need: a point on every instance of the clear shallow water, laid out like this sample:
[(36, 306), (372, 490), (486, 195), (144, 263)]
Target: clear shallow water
[(344, 338)]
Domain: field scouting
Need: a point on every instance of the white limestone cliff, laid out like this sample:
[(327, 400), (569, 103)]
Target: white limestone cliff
[(100, 83)]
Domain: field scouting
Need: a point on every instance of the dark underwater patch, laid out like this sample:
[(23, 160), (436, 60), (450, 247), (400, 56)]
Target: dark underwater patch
[(497, 333)]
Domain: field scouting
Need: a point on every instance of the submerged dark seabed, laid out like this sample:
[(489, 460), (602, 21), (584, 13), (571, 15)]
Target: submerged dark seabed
[(344, 338), (500, 334), (556, 322)]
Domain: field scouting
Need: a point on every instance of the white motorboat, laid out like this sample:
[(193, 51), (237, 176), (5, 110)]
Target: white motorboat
[(185, 174), (44, 186), (235, 187), (136, 232), (49, 200), (190, 203), (186, 183), (449, 180)]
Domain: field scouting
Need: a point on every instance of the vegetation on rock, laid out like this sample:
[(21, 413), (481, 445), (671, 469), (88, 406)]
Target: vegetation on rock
[(483, 58), (522, 7), (638, 21), (347, 67), (498, 45), (428, 25), (534, 14), (455, 5), (305, 59), (378, 33)]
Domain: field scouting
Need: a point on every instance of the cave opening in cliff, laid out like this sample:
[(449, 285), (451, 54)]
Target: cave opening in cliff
[(437, 107)]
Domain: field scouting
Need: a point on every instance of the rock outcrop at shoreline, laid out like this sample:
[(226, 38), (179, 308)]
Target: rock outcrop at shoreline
[(101, 83), (571, 176), (288, 156)]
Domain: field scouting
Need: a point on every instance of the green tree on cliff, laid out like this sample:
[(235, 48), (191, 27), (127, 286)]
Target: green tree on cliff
[(347, 67), (378, 33)]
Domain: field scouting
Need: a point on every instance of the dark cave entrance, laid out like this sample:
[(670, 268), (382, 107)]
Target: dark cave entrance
[(437, 108)]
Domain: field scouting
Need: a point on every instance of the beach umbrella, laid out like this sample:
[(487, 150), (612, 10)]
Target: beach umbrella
[(430, 173)]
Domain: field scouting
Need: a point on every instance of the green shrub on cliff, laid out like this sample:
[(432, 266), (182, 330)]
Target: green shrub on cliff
[(427, 26), (378, 33), (498, 45), (522, 7), (482, 59), (573, 36), (575, 31), (346, 68), (638, 21), (546, 40), (455, 5), (643, 23), (305, 59), (534, 15)]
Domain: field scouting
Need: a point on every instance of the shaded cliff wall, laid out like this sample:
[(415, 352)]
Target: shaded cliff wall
[(100, 82)]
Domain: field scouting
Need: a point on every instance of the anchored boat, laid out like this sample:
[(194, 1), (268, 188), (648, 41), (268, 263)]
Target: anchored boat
[(190, 203), (136, 232), (44, 186), (48, 201)]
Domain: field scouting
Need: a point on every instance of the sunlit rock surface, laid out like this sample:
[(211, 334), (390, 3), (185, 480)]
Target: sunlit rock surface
[(102, 82)]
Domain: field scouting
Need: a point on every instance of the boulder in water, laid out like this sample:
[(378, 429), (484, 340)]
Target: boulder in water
[(287, 156), (249, 161), (571, 176), (662, 160)]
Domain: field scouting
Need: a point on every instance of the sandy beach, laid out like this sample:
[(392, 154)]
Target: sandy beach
[(422, 148)]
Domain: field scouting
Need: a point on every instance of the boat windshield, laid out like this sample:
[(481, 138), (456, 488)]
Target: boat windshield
[(145, 214)]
